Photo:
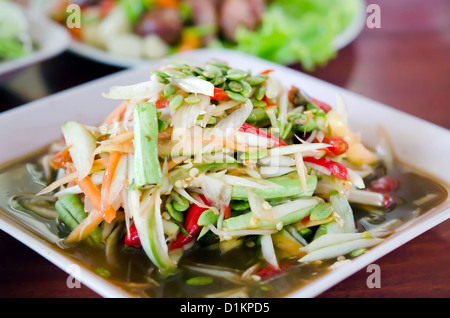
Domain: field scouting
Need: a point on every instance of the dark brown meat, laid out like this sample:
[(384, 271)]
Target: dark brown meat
[(234, 13), (164, 22)]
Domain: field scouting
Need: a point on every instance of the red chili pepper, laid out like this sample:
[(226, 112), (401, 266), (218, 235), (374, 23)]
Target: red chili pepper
[(162, 103), (270, 271), (260, 132), (267, 72), (337, 169), (219, 94), (226, 213), (322, 105), (384, 184), (268, 102), (388, 201), (132, 238), (305, 220), (190, 225), (338, 146)]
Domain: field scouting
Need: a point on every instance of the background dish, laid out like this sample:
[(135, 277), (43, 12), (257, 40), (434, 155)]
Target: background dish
[(49, 38), (364, 116), (102, 56)]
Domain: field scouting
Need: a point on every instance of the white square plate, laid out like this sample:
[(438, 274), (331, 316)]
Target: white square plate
[(417, 143)]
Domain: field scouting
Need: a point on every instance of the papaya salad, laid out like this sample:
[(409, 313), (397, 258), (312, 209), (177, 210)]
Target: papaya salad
[(207, 154)]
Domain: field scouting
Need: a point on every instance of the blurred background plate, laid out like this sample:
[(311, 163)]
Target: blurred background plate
[(354, 28), (348, 35), (49, 40)]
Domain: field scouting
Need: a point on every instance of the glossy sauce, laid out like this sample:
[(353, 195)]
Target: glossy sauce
[(131, 270)]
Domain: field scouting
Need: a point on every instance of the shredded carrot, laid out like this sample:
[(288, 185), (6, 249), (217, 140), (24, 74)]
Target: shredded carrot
[(61, 159), (76, 33), (268, 102), (85, 228), (88, 225), (227, 211), (167, 3), (71, 176), (93, 194), (117, 113), (106, 208)]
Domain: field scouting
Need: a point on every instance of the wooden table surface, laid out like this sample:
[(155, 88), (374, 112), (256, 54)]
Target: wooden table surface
[(404, 64)]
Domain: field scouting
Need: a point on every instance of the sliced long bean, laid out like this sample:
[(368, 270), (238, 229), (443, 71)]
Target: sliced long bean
[(290, 187), (146, 164)]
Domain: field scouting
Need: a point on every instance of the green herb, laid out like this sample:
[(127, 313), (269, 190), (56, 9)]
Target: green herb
[(357, 252), (102, 272), (199, 281)]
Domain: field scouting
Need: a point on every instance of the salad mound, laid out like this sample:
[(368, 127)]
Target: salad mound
[(211, 154)]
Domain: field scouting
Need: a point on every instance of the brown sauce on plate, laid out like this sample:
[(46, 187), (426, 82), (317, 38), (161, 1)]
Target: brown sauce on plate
[(131, 270)]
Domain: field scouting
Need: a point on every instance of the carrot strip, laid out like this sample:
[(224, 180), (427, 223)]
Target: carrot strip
[(85, 228), (117, 113), (93, 194), (95, 217), (88, 225), (105, 206), (167, 3), (62, 158)]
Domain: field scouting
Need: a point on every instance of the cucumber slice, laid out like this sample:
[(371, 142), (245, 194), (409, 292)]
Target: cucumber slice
[(83, 145)]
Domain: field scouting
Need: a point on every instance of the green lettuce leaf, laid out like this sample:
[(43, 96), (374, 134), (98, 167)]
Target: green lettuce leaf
[(298, 31)]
